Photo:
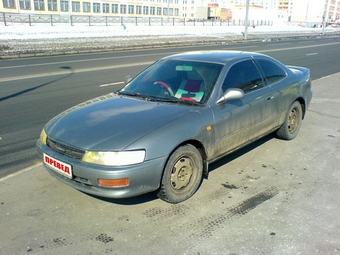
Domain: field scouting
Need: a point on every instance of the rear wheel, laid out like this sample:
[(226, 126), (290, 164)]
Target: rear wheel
[(292, 124), (182, 175)]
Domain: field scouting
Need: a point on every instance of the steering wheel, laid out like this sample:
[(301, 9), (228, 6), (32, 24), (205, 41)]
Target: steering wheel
[(166, 86)]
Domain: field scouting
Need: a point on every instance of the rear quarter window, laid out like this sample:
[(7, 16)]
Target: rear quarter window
[(272, 72)]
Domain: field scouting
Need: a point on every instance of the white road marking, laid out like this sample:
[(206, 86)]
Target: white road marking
[(69, 71), (21, 171), (91, 69), (111, 84)]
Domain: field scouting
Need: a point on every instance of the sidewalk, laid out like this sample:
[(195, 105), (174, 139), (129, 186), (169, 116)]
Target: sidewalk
[(39, 215)]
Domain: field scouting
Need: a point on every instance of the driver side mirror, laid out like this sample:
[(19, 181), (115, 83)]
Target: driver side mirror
[(230, 95)]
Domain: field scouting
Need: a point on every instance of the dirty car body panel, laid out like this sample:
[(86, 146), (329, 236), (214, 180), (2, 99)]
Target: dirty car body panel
[(123, 144)]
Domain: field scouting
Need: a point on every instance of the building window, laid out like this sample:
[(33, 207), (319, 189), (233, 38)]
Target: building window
[(64, 6), (171, 11), (96, 7), (145, 10), (152, 10), (76, 6), (106, 8), (39, 5), (8, 3), (176, 12), (159, 11), (138, 9), (123, 9), (25, 4), (114, 8), (52, 5), (131, 9), (165, 11), (86, 7)]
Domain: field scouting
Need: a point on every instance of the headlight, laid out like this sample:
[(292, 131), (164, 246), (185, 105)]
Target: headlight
[(121, 158), (43, 137)]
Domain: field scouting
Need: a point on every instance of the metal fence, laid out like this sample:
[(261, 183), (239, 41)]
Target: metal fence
[(8, 19)]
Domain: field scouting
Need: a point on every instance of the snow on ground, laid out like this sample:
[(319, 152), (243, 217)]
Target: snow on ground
[(41, 31), (20, 39)]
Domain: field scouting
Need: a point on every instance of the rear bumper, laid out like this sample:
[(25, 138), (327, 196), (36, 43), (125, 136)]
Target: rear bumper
[(143, 178)]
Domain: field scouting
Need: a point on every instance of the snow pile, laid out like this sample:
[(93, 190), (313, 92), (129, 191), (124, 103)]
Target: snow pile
[(67, 31), (24, 39)]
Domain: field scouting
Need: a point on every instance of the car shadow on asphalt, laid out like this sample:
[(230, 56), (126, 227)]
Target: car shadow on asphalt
[(141, 199), (145, 198), (39, 86)]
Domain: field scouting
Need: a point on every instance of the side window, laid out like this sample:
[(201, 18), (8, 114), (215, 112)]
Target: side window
[(243, 75), (272, 71)]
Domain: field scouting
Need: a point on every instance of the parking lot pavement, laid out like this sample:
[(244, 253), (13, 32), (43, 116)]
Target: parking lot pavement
[(273, 197)]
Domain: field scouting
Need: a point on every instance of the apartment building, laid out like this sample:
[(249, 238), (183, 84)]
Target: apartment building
[(143, 8), (307, 12), (334, 10), (310, 12)]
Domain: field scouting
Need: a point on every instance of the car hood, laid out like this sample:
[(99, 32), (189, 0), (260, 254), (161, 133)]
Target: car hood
[(111, 122)]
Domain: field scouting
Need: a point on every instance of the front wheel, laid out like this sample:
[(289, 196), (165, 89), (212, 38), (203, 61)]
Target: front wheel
[(182, 175), (292, 124)]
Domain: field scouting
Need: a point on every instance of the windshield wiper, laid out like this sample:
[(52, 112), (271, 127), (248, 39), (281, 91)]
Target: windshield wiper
[(133, 94), (158, 99)]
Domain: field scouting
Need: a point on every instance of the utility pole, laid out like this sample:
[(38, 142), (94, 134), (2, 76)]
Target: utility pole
[(168, 10), (246, 21), (325, 18), (306, 19)]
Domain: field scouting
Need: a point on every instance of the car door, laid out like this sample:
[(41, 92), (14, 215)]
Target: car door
[(275, 79), (240, 121)]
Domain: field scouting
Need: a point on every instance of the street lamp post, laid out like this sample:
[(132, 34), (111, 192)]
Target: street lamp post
[(326, 17), (246, 21), (168, 10)]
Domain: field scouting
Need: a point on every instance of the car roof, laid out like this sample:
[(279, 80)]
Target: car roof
[(221, 57)]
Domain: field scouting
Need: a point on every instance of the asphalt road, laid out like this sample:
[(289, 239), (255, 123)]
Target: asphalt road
[(272, 197), (34, 90)]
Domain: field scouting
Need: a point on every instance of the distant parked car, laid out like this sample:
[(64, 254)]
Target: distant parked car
[(164, 127)]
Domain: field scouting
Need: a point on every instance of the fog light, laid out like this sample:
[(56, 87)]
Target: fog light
[(114, 183)]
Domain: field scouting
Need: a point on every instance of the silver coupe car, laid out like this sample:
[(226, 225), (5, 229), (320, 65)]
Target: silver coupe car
[(161, 131)]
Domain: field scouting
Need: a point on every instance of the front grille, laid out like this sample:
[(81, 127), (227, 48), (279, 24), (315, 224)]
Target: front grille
[(65, 150)]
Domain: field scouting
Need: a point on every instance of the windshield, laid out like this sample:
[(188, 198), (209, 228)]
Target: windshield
[(175, 81)]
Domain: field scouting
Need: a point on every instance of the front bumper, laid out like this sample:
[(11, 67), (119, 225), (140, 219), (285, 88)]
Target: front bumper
[(144, 177)]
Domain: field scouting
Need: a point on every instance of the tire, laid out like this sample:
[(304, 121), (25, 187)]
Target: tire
[(182, 175), (292, 124)]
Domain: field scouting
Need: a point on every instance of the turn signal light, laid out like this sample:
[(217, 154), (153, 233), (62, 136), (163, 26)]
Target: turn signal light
[(114, 183)]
